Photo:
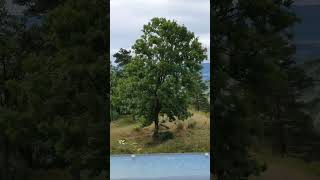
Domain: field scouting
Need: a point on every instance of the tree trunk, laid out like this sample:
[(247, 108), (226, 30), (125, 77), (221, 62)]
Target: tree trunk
[(156, 119), (156, 126)]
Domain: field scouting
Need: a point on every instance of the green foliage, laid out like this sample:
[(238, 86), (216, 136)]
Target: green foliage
[(167, 135), (75, 76), (255, 81), (16, 126), (53, 92), (114, 115), (123, 57), (144, 122), (200, 99)]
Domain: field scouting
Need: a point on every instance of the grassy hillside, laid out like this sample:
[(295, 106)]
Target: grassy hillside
[(191, 135)]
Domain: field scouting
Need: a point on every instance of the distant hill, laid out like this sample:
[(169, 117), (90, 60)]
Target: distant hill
[(205, 71)]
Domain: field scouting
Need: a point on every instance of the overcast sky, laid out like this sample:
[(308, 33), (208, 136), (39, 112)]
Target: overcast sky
[(128, 17), (307, 2)]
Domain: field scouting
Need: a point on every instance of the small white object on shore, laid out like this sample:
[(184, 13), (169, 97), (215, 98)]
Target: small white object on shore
[(206, 154), (133, 156)]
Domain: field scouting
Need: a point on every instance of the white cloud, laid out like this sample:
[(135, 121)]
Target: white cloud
[(205, 39)]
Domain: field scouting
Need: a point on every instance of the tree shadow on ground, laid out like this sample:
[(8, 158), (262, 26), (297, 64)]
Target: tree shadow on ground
[(162, 137)]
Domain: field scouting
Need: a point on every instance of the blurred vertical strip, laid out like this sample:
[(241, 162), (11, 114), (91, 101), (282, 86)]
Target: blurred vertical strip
[(54, 89)]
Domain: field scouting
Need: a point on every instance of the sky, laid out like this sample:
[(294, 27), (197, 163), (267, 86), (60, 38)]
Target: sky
[(128, 17), (307, 2)]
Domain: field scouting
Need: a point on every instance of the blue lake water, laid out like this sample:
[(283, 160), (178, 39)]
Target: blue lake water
[(160, 167)]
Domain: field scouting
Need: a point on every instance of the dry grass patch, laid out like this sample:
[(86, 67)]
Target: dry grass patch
[(191, 135)]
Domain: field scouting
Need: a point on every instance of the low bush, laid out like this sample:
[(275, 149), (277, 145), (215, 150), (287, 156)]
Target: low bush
[(180, 126), (167, 135), (192, 125)]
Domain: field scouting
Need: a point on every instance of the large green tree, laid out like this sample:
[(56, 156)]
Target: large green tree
[(118, 105), (163, 71)]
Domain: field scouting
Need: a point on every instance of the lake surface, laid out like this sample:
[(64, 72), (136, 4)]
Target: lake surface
[(184, 166)]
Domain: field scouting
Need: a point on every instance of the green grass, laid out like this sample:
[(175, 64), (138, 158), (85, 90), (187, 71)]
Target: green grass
[(191, 135)]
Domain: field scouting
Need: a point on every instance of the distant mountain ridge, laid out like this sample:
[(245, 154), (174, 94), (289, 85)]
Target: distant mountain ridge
[(205, 71)]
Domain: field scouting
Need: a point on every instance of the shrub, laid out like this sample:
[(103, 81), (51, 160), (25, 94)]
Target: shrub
[(192, 125), (137, 128), (144, 122), (180, 126), (114, 115), (167, 135)]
